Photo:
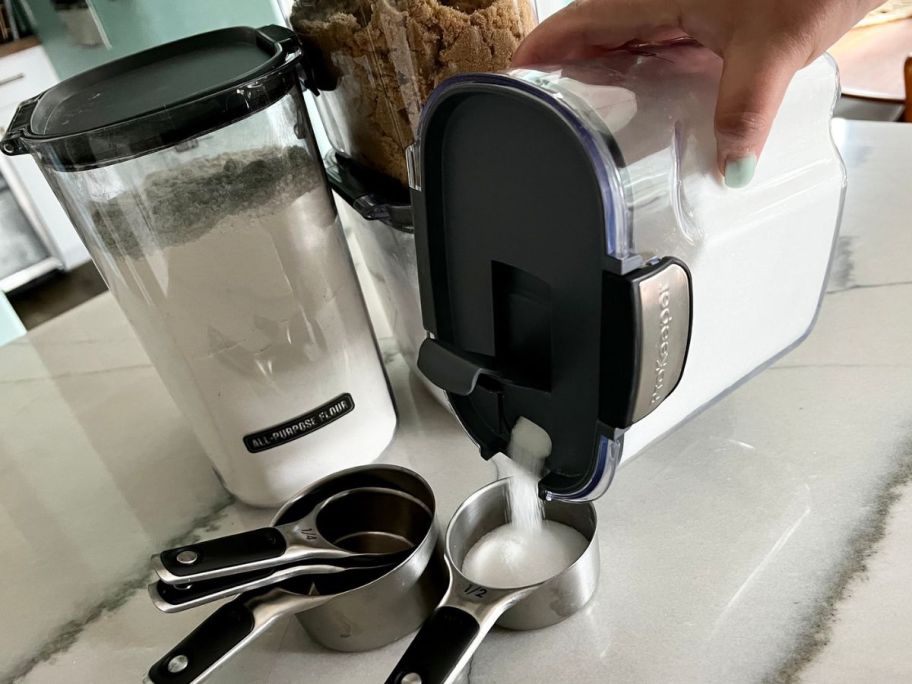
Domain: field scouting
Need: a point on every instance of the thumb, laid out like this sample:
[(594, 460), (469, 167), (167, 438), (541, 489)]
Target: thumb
[(750, 93)]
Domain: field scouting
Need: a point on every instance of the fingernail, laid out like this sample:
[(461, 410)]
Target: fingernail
[(740, 171)]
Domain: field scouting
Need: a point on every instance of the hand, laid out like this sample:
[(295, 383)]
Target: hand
[(762, 42)]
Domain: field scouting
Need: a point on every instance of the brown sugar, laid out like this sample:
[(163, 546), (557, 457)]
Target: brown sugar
[(389, 55)]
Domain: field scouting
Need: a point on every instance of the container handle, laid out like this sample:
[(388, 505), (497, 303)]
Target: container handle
[(375, 196), (12, 142), (319, 75), (280, 35)]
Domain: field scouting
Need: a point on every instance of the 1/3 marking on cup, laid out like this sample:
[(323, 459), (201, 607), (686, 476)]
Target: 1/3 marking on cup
[(308, 533), (301, 425), (475, 591)]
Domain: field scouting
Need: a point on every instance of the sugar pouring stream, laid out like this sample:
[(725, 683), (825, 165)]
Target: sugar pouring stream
[(529, 446), (528, 549)]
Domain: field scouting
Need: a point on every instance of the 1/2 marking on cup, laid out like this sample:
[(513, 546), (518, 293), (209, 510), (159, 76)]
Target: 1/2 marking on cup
[(475, 591)]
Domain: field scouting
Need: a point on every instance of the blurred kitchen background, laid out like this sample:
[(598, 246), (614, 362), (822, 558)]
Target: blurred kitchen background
[(45, 270)]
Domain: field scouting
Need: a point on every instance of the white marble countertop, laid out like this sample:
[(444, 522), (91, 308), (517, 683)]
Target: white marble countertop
[(762, 541)]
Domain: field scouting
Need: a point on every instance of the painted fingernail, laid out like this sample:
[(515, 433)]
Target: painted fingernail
[(740, 171)]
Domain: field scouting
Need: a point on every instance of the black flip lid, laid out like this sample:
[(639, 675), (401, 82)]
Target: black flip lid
[(156, 98), (530, 315)]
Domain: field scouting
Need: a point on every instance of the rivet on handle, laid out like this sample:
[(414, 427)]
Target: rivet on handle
[(178, 664), (411, 678), (187, 557)]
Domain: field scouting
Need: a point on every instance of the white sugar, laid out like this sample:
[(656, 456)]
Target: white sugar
[(510, 556), (529, 549), (529, 446)]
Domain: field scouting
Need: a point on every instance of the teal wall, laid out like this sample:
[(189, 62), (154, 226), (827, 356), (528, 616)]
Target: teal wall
[(133, 25)]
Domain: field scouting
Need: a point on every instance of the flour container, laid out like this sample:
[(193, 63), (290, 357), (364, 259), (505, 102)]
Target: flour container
[(582, 265), (191, 173)]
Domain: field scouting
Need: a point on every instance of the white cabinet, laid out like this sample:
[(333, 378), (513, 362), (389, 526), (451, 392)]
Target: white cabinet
[(23, 75)]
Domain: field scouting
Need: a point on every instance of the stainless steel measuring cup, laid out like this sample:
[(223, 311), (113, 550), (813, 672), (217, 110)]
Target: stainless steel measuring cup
[(398, 522), (355, 527), (446, 642), (353, 611)]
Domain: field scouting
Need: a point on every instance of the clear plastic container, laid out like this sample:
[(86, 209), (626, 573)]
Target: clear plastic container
[(583, 265), (758, 256), (382, 58), (225, 252)]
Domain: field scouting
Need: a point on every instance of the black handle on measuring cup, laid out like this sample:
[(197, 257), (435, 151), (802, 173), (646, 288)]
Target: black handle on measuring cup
[(435, 652), (224, 552), (178, 595), (206, 646)]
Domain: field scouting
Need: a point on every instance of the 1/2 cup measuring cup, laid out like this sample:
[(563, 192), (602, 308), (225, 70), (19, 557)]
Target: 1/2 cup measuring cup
[(469, 610)]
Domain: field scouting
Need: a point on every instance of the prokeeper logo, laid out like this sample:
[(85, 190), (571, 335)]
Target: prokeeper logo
[(661, 364), (302, 425), (665, 303)]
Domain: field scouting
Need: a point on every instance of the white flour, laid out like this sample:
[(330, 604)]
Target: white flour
[(529, 549), (252, 320)]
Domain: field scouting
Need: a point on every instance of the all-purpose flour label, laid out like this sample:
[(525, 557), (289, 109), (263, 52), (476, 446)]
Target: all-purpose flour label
[(300, 426)]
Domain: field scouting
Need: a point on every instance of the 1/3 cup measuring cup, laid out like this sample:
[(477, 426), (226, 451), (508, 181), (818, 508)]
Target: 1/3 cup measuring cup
[(469, 610)]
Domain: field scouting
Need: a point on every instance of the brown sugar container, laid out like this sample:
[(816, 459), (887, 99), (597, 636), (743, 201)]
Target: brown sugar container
[(379, 60)]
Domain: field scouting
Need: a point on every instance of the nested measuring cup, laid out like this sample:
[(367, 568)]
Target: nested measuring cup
[(469, 609), (353, 611), (367, 527), (355, 527)]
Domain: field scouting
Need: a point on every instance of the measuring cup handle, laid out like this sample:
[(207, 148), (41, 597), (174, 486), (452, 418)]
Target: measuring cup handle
[(206, 646), (445, 642), (171, 598), (224, 553)]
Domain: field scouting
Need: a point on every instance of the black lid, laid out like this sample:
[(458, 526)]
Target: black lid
[(156, 98), (530, 314)]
